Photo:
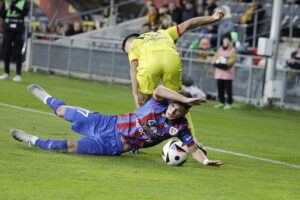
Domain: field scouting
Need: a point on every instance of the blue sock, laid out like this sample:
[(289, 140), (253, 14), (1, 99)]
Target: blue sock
[(50, 144), (54, 103)]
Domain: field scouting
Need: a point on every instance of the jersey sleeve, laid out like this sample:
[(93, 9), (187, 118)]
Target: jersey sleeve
[(186, 137), (164, 102), (174, 32)]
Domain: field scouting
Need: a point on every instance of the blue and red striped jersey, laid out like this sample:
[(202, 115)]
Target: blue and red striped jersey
[(147, 126)]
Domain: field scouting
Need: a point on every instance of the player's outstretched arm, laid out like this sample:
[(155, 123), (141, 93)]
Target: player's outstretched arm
[(199, 21), (161, 93), (199, 156)]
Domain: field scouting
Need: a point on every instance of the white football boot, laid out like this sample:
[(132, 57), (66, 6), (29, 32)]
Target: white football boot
[(4, 77), (17, 78), (23, 137), (38, 92)]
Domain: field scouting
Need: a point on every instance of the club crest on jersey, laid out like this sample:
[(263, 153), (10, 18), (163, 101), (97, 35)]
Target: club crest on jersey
[(151, 128), (173, 131)]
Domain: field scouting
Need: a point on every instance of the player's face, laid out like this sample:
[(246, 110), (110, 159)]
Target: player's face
[(174, 111)]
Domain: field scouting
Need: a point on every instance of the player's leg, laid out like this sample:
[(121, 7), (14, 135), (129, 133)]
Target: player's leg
[(50, 144), (172, 71), (7, 43), (88, 145), (83, 121), (228, 89), (148, 76), (221, 94)]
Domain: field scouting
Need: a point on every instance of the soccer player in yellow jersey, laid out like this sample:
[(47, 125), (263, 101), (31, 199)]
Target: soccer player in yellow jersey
[(153, 57)]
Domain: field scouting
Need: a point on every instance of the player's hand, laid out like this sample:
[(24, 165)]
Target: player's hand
[(218, 14), (195, 101), (215, 163), (136, 100)]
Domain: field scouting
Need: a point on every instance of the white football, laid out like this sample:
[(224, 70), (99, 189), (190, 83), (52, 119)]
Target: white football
[(175, 153)]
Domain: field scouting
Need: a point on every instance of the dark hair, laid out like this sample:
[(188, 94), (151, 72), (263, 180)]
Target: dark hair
[(187, 81), (186, 94), (227, 35), (127, 37)]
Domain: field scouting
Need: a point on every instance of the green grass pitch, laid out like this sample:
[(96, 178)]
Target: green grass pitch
[(34, 174)]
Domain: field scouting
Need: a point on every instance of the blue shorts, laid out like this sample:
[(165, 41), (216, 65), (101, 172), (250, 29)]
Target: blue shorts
[(102, 138)]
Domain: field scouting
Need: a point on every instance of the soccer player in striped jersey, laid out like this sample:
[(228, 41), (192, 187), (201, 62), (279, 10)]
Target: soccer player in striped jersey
[(161, 118)]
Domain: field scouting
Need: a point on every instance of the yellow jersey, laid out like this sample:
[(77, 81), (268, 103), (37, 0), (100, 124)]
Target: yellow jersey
[(162, 40)]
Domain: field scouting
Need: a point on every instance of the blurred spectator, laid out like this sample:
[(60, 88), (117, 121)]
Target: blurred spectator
[(146, 28), (188, 12), (152, 16), (249, 16), (204, 45), (211, 6), (45, 30), (1, 46), (188, 85), (293, 1), (91, 28), (77, 28), (58, 29), (35, 28), (209, 28), (88, 26), (224, 61), (84, 28), (201, 3), (295, 56), (175, 13), (106, 18), (162, 11), (238, 45), (227, 24), (199, 11), (13, 14), (69, 30), (166, 22)]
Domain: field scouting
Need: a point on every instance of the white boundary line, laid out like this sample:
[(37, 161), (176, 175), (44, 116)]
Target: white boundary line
[(253, 157), (210, 148), (26, 109)]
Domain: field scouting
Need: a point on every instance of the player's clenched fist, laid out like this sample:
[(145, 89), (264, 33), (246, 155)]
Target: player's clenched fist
[(219, 14)]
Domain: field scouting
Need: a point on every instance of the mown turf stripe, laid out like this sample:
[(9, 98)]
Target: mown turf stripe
[(210, 148)]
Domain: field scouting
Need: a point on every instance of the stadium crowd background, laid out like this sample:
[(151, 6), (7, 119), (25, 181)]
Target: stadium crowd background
[(245, 22), (165, 14)]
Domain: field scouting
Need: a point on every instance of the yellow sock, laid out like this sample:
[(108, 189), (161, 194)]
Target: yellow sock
[(191, 126)]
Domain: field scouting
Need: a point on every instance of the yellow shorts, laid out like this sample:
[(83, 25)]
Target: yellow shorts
[(156, 66)]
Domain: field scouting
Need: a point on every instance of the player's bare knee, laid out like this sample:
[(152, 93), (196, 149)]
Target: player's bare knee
[(72, 146), (60, 111)]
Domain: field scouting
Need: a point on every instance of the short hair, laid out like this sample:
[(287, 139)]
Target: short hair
[(227, 35), (127, 37), (186, 94)]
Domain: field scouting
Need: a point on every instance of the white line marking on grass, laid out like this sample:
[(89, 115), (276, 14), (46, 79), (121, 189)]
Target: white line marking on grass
[(253, 157), (210, 148), (25, 109)]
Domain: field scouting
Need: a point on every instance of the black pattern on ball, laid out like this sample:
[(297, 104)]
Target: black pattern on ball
[(177, 157)]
